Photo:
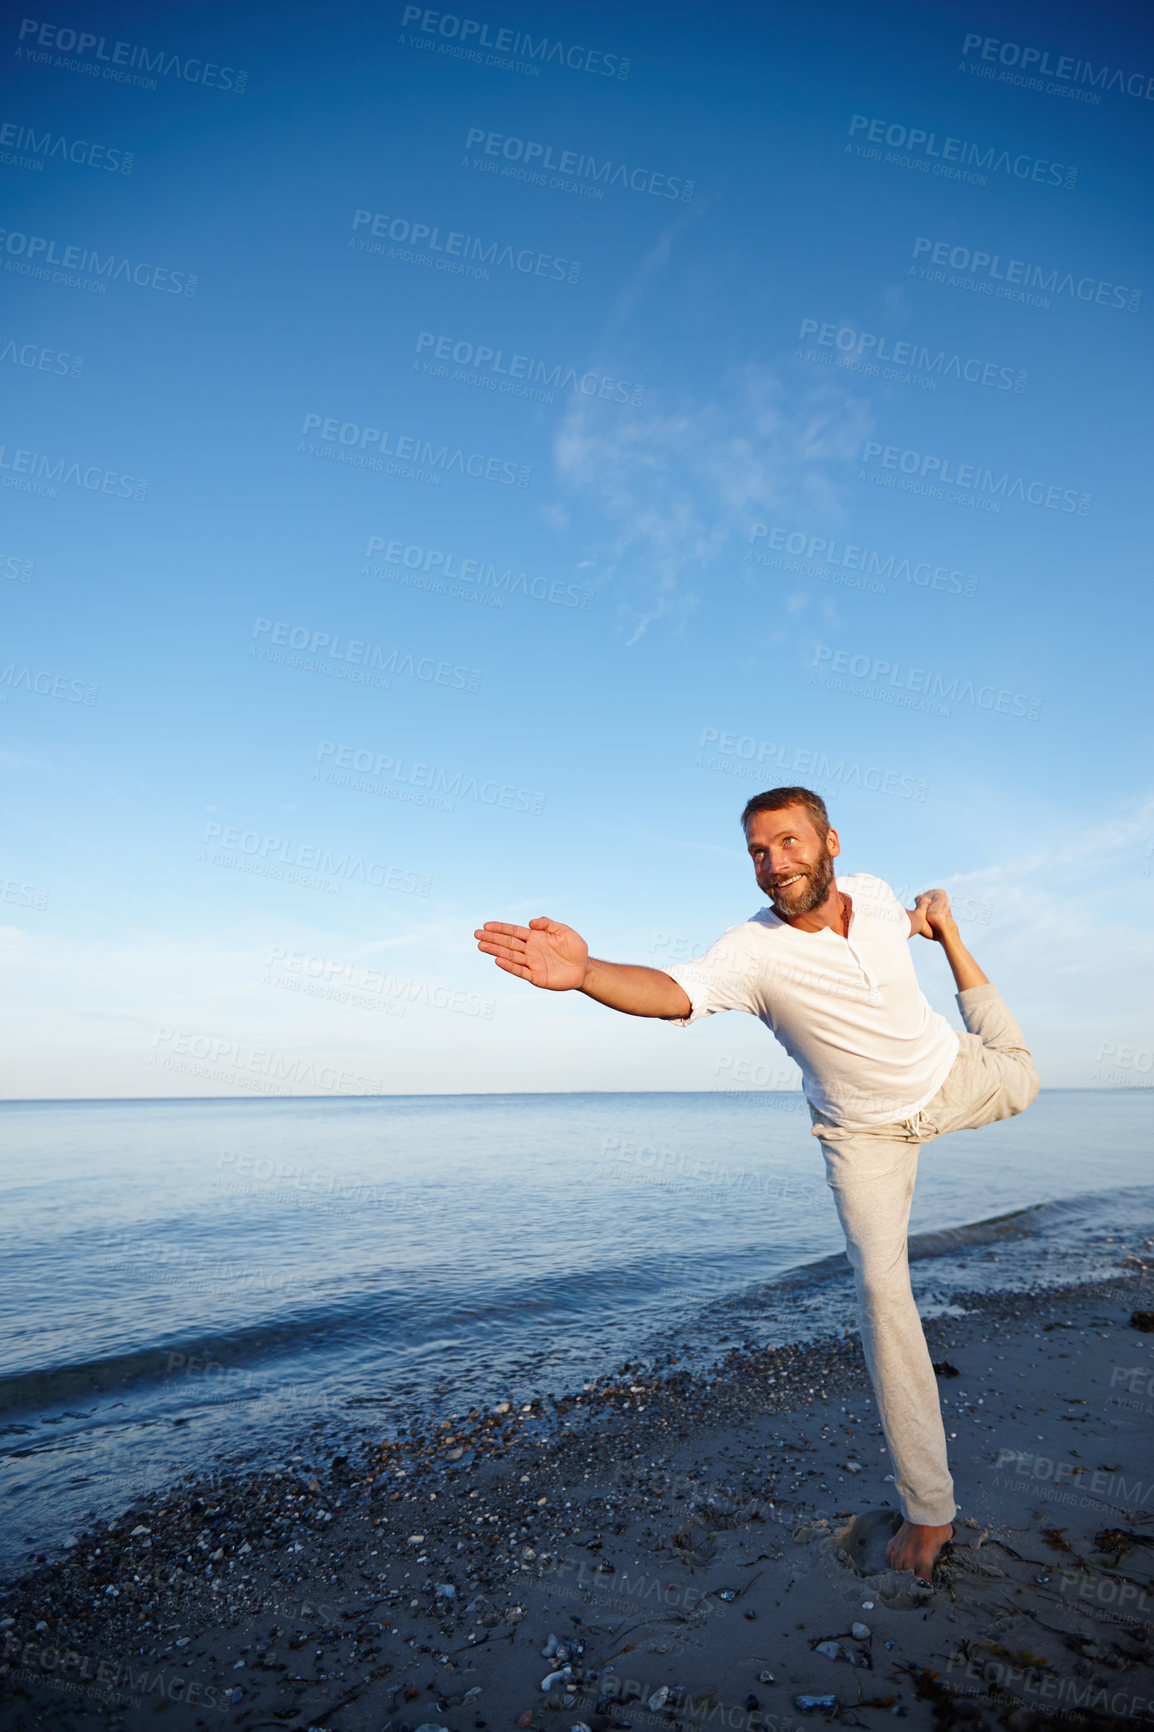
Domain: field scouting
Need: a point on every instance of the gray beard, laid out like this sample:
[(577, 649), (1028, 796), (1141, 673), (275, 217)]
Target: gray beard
[(816, 893)]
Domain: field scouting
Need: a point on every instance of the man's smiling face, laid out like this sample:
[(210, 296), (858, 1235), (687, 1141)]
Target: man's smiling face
[(793, 864)]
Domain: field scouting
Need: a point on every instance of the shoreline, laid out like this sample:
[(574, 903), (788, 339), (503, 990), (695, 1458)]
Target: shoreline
[(685, 1533)]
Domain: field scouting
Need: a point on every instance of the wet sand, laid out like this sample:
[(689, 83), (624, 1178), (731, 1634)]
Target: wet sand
[(655, 1551)]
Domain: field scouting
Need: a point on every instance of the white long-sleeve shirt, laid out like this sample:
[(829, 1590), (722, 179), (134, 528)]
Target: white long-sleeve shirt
[(849, 1011)]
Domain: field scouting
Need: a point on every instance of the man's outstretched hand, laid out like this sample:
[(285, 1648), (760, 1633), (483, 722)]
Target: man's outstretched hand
[(545, 953), (932, 917)]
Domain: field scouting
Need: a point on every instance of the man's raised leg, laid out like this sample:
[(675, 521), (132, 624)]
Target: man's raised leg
[(993, 1077)]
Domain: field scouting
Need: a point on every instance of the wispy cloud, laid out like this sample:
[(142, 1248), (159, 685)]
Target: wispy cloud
[(1086, 871), (675, 488), (1066, 932)]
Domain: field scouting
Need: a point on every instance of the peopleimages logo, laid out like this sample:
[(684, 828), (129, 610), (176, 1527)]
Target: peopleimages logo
[(42, 359), (362, 443), (472, 35), (275, 852), (923, 681), (521, 375), (349, 979), (431, 567), (1049, 280), (573, 162), (850, 557), (1066, 66), (23, 895), (870, 346), (947, 471), (33, 472), (123, 55), (804, 761), (109, 266), (16, 568), (46, 685), (54, 144), (233, 1055), (459, 253), (417, 783), (359, 653), (963, 152)]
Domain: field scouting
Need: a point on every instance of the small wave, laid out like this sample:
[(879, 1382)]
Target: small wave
[(418, 1321), (1036, 1220), (426, 1315)]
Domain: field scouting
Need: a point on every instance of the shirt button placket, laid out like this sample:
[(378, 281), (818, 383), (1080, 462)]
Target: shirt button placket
[(865, 973)]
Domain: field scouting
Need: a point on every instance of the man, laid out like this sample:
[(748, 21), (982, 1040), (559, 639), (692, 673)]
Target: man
[(827, 968)]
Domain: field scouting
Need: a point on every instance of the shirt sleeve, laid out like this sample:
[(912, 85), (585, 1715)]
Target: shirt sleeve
[(879, 900), (894, 908), (723, 979)]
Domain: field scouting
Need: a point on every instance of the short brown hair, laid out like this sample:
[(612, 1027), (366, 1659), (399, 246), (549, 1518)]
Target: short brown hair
[(776, 799)]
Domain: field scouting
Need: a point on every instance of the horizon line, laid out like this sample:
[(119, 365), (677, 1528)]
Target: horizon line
[(471, 1094)]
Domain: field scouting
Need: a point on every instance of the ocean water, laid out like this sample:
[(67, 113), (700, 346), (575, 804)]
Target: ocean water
[(196, 1283)]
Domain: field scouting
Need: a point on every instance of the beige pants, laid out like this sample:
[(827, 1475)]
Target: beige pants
[(871, 1171)]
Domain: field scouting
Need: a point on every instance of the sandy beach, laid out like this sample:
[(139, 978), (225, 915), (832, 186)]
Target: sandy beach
[(657, 1550)]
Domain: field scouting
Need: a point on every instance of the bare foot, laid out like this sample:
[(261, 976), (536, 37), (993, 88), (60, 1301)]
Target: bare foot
[(916, 1548)]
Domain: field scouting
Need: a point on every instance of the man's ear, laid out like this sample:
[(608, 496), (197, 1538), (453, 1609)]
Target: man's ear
[(832, 844)]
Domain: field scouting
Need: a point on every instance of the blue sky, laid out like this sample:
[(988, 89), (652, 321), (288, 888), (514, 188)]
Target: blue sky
[(499, 540)]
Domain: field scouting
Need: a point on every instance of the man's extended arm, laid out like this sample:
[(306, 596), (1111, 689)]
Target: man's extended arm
[(556, 958), (638, 991), (932, 917)]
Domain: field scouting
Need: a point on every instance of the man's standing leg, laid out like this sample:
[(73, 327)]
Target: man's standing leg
[(872, 1174)]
